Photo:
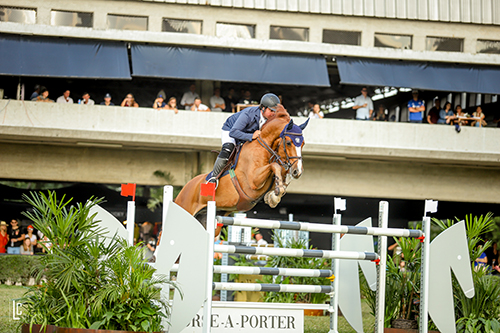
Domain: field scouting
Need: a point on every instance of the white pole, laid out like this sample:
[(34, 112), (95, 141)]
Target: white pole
[(338, 204), (207, 306), (424, 279), (334, 301), (131, 221), (430, 207), (383, 221)]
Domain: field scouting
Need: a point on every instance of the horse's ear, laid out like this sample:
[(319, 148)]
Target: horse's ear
[(290, 125), (302, 126)]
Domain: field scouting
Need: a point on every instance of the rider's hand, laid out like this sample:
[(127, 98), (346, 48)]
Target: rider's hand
[(255, 134)]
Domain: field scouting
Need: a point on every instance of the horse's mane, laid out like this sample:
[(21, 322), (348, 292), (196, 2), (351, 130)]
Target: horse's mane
[(279, 118)]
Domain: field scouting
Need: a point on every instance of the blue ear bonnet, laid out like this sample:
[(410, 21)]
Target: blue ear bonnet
[(295, 133)]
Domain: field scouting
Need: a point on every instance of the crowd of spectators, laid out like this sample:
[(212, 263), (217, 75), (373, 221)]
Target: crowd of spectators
[(190, 100), (363, 106), (16, 240)]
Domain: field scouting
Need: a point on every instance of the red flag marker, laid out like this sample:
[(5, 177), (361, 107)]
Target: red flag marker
[(128, 190), (207, 189)]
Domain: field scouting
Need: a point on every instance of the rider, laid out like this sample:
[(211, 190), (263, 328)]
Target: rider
[(243, 126)]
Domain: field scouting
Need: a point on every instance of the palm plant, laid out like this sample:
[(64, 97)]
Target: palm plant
[(293, 262), (91, 281)]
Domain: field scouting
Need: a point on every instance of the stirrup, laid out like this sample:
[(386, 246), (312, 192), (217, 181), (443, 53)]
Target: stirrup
[(216, 181)]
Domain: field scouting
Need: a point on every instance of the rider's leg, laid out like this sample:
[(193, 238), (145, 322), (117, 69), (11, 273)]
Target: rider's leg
[(228, 145)]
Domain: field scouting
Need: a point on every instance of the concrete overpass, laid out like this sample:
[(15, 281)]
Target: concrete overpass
[(78, 143)]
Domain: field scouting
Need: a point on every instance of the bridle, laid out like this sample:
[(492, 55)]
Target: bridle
[(275, 157)]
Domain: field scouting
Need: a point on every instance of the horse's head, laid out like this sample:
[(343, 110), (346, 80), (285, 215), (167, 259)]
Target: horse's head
[(292, 141)]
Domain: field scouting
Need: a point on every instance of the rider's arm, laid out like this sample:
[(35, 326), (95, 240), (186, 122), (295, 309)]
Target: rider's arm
[(237, 130)]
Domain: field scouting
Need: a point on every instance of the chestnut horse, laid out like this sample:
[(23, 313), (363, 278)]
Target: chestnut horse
[(274, 157)]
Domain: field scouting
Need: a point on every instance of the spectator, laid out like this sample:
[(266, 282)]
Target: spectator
[(230, 101), (86, 99), (216, 102), (35, 93), (416, 107), (172, 104), (197, 106), (260, 239), (44, 96), (65, 98), (459, 113), (159, 102), (146, 231), (478, 114), (246, 98), (380, 115), (316, 112), (433, 115), (25, 247), (33, 238), (16, 237), (187, 100), (446, 116), (150, 249), (363, 105), (129, 101), (4, 237), (107, 100)]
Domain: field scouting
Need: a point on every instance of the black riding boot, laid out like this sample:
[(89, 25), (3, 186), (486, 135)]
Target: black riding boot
[(221, 161)]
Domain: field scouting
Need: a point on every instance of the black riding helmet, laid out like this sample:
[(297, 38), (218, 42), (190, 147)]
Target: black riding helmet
[(269, 101)]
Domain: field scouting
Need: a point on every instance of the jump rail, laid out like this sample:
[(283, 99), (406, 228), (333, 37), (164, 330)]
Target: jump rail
[(296, 252), (244, 270), (318, 227), (282, 288)]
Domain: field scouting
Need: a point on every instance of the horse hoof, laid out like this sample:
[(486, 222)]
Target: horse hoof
[(266, 198)]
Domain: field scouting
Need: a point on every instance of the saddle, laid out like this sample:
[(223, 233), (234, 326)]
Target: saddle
[(244, 201)]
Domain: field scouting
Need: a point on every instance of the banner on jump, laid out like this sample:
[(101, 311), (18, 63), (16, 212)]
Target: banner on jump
[(229, 320)]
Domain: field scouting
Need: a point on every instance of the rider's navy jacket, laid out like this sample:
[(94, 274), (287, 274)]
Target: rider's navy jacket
[(241, 125)]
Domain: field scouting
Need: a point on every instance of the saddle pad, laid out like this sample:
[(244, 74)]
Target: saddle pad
[(235, 163)]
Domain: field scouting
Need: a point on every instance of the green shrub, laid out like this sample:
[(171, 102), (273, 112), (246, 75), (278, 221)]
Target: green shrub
[(17, 268)]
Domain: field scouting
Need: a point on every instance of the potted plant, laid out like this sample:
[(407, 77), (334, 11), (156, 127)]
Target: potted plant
[(91, 282), (402, 298)]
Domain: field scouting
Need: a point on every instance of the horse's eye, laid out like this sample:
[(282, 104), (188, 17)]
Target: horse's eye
[(288, 143)]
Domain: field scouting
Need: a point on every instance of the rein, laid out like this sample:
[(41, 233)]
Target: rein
[(274, 155)]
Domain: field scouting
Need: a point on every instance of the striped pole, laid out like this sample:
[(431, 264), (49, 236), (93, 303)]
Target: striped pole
[(318, 227), (282, 288), (296, 252), (273, 271), (249, 270)]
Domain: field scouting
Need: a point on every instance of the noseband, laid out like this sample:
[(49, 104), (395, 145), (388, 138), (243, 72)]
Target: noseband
[(275, 157)]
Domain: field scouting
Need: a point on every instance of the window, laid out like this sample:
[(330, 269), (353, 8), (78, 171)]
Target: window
[(184, 26), (393, 41), (234, 30), (288, 33), (444, 44), (19, 15), (71, 19), (488, 46), (122, 22), (342, 37)]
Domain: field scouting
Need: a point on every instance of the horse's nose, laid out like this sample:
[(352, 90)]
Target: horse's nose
[(296, 173)]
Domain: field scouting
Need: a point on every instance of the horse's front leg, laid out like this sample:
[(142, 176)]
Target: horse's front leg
[(273, 197)]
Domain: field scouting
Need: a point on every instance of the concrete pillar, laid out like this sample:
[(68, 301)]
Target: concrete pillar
[(100, 20), (262, 31), (155, 22), (315, 34), (207, 91), (43, 15), (418, 43)]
